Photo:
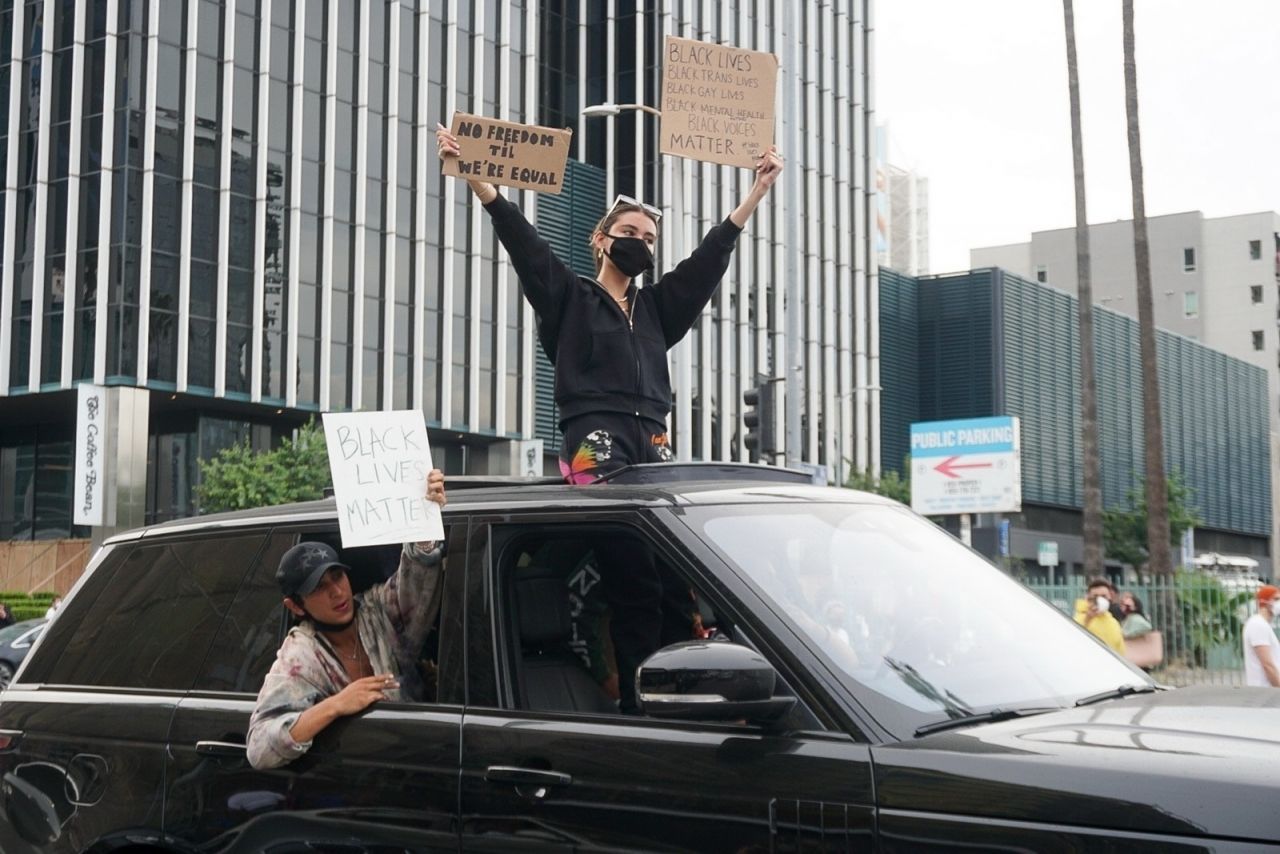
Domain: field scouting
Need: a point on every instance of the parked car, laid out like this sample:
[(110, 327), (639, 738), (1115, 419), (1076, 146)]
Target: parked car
[(15, 642), (839, 674)]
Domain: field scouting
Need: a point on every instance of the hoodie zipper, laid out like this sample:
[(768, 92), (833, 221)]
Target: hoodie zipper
[(632, 293)]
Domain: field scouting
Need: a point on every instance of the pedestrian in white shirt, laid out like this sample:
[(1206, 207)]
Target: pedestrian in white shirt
[(1261, 647)]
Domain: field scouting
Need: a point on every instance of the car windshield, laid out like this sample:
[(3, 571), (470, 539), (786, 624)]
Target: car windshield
[(922, 628)]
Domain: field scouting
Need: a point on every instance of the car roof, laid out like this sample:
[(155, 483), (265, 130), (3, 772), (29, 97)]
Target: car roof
[(687, 484)]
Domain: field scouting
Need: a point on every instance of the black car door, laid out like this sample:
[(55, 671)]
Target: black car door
[(91, 711), (555, 769), (383, 780)]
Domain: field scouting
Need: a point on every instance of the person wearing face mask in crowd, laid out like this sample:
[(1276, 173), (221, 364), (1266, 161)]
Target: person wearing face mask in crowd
[(608, 337), (1261, 647), (1094, 613)]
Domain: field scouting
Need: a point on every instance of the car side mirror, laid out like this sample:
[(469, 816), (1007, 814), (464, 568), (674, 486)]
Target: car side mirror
[(709, 681)]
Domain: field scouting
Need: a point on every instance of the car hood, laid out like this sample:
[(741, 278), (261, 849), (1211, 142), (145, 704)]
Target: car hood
[(1192, 761)]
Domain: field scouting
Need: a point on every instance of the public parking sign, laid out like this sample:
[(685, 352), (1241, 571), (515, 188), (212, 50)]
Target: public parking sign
[(969, 466)]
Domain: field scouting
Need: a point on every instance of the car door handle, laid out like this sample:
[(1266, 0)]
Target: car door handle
[(221, 748), (525, 776)]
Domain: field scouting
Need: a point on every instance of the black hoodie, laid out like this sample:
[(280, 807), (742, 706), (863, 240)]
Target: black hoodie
[(604, 361)]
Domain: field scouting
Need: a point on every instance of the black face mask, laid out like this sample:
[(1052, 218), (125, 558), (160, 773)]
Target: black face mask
[(630, 255)]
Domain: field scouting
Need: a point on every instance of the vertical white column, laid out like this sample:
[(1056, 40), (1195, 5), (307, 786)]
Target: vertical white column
[(480, 273), (611, 96), (501, 314), (863, 218), (641, 118), (38, 261), (681, 356), (582, 75), (359, 247), (423, 135), (527, 344), (188, 193), (8, 283), (850, 438), (327, 226), (71, 264), (873, 276), (813, 236), (831, 400), (106, 193), (260, 218), (290, 354), (227, 70), (451, 189), (148, 190), (390, 173)]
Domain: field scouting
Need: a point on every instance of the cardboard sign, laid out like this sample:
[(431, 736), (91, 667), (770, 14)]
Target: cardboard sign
[(717, 102), (380, 462), (524, 156)]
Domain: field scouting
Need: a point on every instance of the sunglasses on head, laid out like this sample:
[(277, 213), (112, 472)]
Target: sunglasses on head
[(628, 200)]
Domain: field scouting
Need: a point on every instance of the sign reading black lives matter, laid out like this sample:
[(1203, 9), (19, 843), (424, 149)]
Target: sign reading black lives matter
[(524, 156), (380, 462), (717, 102)]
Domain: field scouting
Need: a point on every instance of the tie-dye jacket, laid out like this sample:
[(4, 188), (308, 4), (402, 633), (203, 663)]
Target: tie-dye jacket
[(393, 620)]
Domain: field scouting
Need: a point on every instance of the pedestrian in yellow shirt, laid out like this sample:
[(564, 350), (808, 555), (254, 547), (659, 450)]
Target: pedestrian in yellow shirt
[(1094, 613)]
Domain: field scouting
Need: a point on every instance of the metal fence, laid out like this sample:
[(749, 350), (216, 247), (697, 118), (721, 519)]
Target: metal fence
[(1200, 619)]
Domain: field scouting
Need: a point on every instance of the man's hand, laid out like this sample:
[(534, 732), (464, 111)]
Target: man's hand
[(435, 487), (362, 693), (353, 699)]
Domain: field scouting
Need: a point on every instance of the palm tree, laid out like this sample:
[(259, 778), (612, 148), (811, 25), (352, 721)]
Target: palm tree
[(1084, 308), (1160, 561)]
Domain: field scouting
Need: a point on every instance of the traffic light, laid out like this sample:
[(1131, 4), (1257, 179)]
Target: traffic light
[(759, 420)]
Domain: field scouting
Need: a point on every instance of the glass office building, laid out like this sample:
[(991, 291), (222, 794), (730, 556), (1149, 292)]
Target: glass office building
[(987, 342), (235, 207)]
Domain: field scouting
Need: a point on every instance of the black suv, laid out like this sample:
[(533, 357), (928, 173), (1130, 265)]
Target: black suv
[(842, 675)]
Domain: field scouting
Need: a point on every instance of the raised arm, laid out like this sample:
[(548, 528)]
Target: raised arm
[(767, 172), (683, 292), (544, 278)]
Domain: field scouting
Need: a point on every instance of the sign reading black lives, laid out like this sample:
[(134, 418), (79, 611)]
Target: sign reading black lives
[(524, 156), (717, 102)]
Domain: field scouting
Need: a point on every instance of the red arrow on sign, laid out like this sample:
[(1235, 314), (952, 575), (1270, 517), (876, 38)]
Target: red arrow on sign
[(948, 467)]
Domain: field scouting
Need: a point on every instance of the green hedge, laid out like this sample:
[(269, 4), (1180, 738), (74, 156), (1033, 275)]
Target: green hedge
[(27, 607)]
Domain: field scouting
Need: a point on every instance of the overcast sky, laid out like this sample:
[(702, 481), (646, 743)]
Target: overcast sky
[(975, 97)]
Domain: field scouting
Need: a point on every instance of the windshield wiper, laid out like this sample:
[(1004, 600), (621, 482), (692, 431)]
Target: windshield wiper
[(1117, 693), (982, 718)]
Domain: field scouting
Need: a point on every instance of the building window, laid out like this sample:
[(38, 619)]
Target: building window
[(1257, 339), (1191, 304), (1255, 250), (1255, 294), (1189, 259), (1042, 273)]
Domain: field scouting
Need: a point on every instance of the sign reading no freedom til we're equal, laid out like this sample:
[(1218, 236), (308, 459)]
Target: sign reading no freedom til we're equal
[(380, 462), (966, 466), (717, 102), (528, 157)]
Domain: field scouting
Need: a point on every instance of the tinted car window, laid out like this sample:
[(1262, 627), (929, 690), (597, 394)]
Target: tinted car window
[(246, 643), (152, 624)]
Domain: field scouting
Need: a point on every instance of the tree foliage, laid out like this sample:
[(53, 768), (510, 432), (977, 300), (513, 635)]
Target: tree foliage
[(890, 484), (239, 478), (1124, 532)]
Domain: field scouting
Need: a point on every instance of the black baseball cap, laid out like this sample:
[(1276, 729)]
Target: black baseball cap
[(304, 565)]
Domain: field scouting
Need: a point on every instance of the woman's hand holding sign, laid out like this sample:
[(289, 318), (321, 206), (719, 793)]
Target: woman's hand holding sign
[(768, 168), (446, 147)]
